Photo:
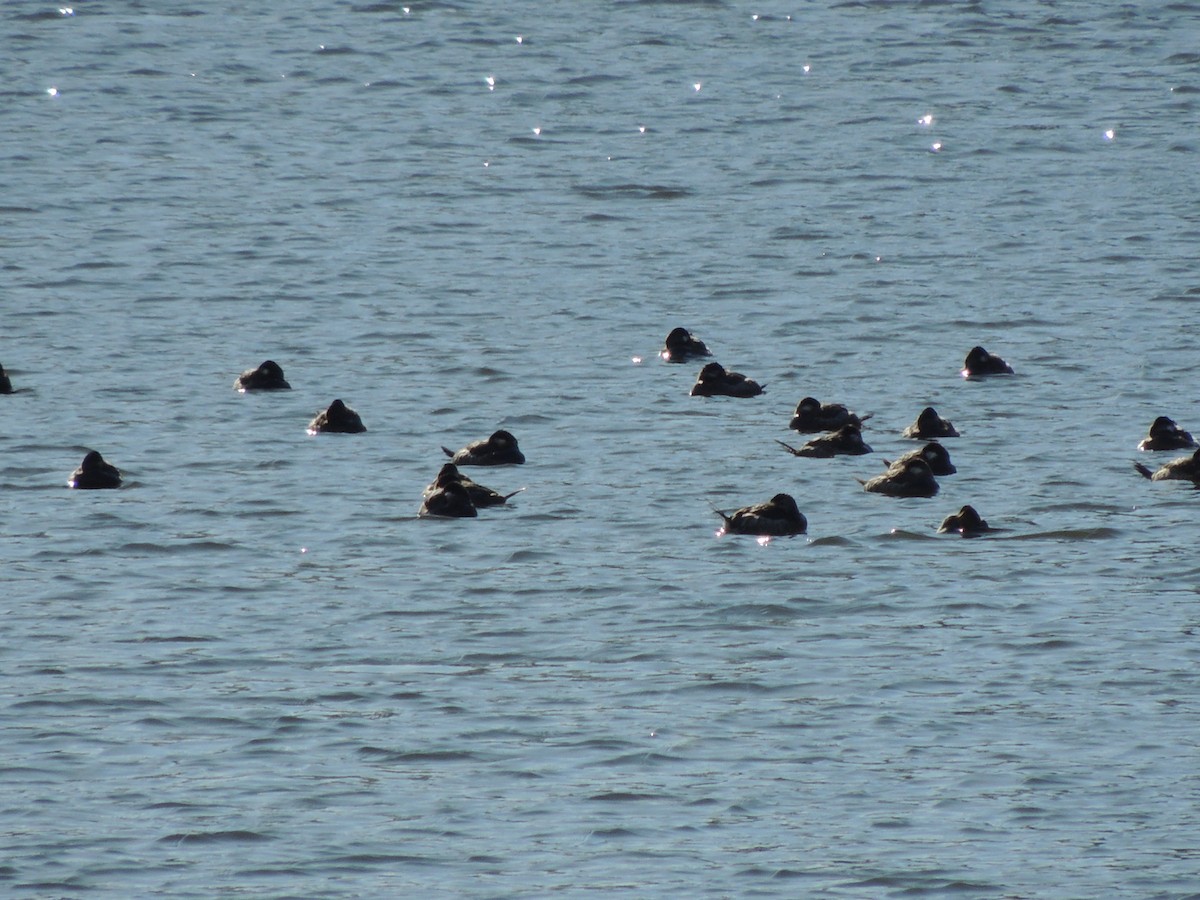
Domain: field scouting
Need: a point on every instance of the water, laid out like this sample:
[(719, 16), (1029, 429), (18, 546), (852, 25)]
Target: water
[(253, 672)]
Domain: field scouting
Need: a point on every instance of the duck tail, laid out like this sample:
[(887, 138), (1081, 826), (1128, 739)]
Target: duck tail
[(508, 497), (724, 516), (788, 447), (448, 451), (1146, 473)]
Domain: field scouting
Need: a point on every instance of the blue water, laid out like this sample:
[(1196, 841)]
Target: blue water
[(253, 671)]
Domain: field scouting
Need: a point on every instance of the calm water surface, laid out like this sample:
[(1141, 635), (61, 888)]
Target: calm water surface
[(252, 671)]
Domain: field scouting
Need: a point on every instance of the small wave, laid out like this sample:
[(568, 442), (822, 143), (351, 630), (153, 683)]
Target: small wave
[(728, 687), (785, 233), (371, 859), (1071, 534), (613, 833), (214, 837), (642, 759), (631, 191), (832, 540), (414, 756)]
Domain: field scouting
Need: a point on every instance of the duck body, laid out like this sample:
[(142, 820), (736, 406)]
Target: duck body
[(95, 473), (5, 384), (966, 522), (929, 425), (267, 377), (500, 449), (452, 501), (1185, 468), (715, 380), (1165, 434), (845, 441), (681, 345), (979, 363), (779, 516), (904, 478), (935, 455), (337, 419), (480, 496), (812, 415)]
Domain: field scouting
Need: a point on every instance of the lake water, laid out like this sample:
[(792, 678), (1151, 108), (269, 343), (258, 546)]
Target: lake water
[(253, 671)]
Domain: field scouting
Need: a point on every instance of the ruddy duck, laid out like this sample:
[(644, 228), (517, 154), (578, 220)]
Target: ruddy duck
[(481, 496), (267, 377), (846, 441), (904, 478), (338, 419), (778, 516), (937, 457), (5, 384), (929, 425), (980, 362), (681, 345), (1166, 435), (812, 415), (498, 450), (449, 502), (94, 473), (715, 381), (1185, 468), (966, 522)]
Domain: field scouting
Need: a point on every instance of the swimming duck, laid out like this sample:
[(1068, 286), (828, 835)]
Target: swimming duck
[(1166, 435), (937, 456), (929, 425), (1185, 468), (267, 377), (451, 501), (980, 362), (5, 384), (498, 450), (778, 516), (904, 478), (847, 441), (337, 419), (966, 522), (715, 381), (481, 496), (681, 345), (94, 473), (813, 415)]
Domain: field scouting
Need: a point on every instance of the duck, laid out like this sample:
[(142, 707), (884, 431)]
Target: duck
[(498, 450), (715, 381), (779, 516), (95, 473), (980, 362), (481, 496), (812, 415), (1165, 434), (966, 522), (904, 478), (1185, 468), (929, 425), (267, 377), (5, 385), (337, 419), (846, 441), (937, 457), (681, 345), (451, 501)]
